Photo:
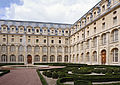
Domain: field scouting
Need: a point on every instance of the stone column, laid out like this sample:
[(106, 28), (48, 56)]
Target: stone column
[(108, 48), (41, 55)]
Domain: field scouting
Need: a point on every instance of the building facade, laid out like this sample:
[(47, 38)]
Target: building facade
[(93, 39)]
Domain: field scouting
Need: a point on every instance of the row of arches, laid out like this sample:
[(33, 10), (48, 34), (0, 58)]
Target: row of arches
[(13, 58), (85, 58), (36, 48)]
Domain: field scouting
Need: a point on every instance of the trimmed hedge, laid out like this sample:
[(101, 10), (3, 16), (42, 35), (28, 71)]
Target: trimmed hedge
[(4, 72), (82, 82), (55, 75), (3, 64), (42, 78), (65, 79), (47, 73), (62, 64)]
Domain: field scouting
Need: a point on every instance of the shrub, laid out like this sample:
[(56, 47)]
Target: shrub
[(47, 73), (42, 78), (62, 80), (61, 74), (82, 82), (4, 72), (3, 64), (55, 75)]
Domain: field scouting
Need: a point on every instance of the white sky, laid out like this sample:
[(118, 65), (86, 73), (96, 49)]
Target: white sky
[(59, 11)]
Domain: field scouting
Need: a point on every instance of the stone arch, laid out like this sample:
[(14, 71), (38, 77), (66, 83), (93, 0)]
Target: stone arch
[(20, 58), (115, 55), (103, 56), (4, 58), (29, 59), (66, 58), (12, 58), (95, 56), (52, 58), (59, 58), (36, 58), (44, 58)]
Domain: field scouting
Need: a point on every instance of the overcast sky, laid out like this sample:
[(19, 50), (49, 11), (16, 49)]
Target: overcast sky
[(59, 11)]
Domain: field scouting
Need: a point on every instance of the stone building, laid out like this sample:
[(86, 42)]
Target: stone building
[(93, 39)]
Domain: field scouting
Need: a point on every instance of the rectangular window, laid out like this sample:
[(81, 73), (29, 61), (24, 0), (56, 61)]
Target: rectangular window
[(87, 33), (12, 40), (37, 40), (114, 20), (4, 39), (44, 41), (94, 29), (103, 25), (28, 40), (59, 41), (20, 40), (52, 41)]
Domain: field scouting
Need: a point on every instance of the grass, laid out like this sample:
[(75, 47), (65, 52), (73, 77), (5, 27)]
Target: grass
[(42, 78)]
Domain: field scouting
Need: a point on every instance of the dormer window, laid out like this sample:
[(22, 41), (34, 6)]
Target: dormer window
[(12, 29), (66, 31), (4, 29), (37, 30), (21, 29), (29, 30), (103, 8), (94, 14), (52, 31)]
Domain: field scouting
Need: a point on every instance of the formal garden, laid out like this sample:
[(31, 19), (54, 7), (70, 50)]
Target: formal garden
[(81, 74)]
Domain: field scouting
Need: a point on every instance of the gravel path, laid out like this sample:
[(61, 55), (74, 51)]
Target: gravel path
[(21, 77)]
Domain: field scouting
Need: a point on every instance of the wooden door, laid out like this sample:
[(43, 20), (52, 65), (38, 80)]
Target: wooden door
[(29, 59), (103, 57)]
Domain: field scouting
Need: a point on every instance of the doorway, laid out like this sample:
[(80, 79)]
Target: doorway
[(29, 59), (103, 57)]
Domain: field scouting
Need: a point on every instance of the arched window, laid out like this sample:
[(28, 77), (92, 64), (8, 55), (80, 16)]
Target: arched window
[(114, 35), (4, 58), (87, 57), (95, 42), (37, 58), (52, 58), (66, 49), (12, 48), (115, 55), (73, 58), (95, 56), (29, 48), (21, 49), (44, 58), (82, 57), (52, 49), (37, 49), (88, 43), (77, 58), (20, 58), (66, 58), (59, 49), (12, 58), (44, 49), (59, 58), (4, 48), (103, 39)]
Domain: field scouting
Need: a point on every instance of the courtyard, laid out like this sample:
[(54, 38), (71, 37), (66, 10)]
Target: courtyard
[(60, 74)]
